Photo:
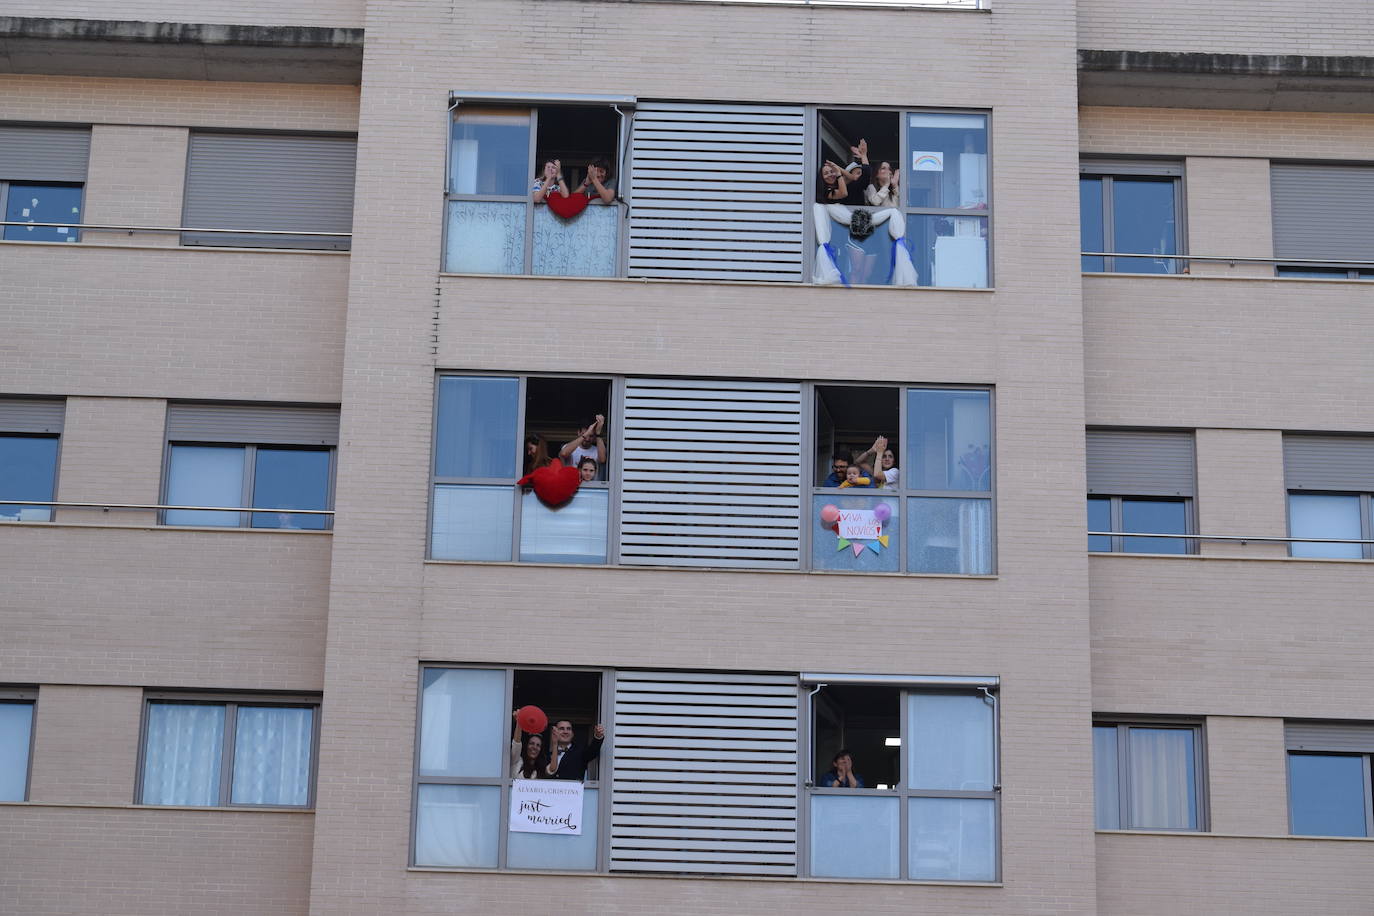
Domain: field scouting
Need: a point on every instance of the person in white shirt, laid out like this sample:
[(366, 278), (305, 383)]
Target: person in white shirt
[(588, 444), (883, 461), (885, 189)]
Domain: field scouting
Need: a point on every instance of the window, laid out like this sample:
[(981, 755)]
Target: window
[(29, 436), (1330, 480), (469, 754), (270, 187), (504, 217), (287, 465), (1148, 776), (1321, 214), (42, 174), (1329, 787), (922, 802), (250, 751), (1140, 483), (16, 742), (710, 473), (1131, 208)]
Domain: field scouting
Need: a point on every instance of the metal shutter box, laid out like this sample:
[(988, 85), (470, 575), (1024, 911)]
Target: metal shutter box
[(253, 425), (1350, 737), (705, 776), (1328, 463), (711, 474), (269, 182), (1139, 463), (717, 191), (21, 415), (44, 153), (1322, 211)]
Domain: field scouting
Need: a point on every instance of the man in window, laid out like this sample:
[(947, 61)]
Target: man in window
[(567, 760), (839, 469)]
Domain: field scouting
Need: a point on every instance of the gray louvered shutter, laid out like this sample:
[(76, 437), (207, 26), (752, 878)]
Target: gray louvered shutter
[(1322, 211), (1139, 463), (1328, 463), (44, 153), (705, 775), (21, 415), (253, 425), (1356, 737), (717, 191), (711, 473), (269, 182)]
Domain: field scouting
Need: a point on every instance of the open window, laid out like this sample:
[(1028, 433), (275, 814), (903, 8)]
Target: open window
[(507, 216)]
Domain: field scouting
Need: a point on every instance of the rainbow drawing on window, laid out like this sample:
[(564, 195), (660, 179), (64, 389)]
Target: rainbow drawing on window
[(927, 161)]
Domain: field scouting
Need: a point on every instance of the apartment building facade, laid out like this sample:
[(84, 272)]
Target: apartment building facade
[(286, 316)]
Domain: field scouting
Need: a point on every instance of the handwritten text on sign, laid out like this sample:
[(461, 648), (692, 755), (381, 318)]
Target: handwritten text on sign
[(859, 525), (546, 806)]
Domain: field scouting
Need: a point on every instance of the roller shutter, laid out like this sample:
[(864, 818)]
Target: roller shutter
[(717, 191), (711, 474), (44, 153), (1347, 737), (1140, 463), (1322, 211), (22, 415), (253, 425), (1329, 463), (705, 774)]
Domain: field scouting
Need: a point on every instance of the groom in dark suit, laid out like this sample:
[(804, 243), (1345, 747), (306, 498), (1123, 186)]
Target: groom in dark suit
[(567, 760)]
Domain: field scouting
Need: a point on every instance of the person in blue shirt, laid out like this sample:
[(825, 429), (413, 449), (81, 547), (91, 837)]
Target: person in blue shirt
[(841, 775), (839, 468)]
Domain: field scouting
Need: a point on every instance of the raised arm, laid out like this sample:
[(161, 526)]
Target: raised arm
[(599, 427), (566, 451)]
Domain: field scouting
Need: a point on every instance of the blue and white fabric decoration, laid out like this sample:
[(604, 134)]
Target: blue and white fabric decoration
[(827, 269)]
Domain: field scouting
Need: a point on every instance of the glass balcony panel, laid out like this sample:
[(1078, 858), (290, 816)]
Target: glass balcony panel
[(485, 237), (863, 261), (951, 839), (855, 836), (472, 523), (573, 533), (564, 852), (458, 826), (859, 541), (949, 251), (584, 246), (950, 536)]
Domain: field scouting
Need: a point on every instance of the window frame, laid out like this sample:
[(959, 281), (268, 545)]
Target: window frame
[(1367, 774), (246, 486), (605, 768), (1201, 801), (1117, 522), (1366, 508), (24, 696), (56, 469), (1107, 170), (231, 702)]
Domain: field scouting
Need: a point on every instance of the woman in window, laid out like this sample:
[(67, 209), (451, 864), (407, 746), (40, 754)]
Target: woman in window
[(884, 190), (536, 453), (527, 757), (598, 184), (842, 775), (549, 182), (882, 462), (846, 185)]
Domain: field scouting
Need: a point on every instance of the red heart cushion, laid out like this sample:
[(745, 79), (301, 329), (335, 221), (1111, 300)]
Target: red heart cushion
[(554, 484), (567, 207)]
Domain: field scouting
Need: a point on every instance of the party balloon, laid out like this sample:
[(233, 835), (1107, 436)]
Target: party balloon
[(830, 515), (531, 719), (882, 512)]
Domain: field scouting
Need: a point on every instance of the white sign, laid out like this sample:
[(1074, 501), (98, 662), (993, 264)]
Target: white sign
[(859, 525), (546, 806), (926, 160)]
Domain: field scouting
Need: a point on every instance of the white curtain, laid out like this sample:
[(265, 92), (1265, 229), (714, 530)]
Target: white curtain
[(182, 757), (272, 756), (1160, 762), (827, 273), (975, 537)]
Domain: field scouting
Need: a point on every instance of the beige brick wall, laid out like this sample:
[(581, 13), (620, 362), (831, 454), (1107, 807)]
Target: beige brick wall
[(153, 861), (1238, 134), (1240, 490), (1219, 27), (1247, 782), (329, 13), (85, 745), (135, 178), (1229, 213), (111, 452)]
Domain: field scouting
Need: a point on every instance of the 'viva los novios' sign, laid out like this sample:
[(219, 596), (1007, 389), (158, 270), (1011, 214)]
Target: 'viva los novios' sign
[(546, 806), (859, 525)]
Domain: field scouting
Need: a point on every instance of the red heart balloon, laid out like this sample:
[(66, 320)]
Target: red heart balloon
[(567, 207), (554, 484), (532, 719)]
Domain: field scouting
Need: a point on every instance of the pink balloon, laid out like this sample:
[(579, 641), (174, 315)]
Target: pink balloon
[(830, 514), (882, 512)]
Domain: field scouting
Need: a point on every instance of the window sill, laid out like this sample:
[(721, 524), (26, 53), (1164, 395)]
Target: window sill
[(1222, 557), (443, 275), (236, 809), (711, 569), (514, 873), (106, 246), (1232, 836)]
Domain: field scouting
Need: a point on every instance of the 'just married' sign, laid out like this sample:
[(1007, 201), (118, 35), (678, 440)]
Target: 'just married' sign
[(546, 806)]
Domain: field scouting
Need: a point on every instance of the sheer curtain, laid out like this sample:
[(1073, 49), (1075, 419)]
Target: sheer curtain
[(1160, 762), (272, 755), (182, 757)]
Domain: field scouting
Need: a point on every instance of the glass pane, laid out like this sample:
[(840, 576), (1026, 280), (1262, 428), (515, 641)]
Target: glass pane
[(584, 246), (950, 536), (291, 479), (1106, 778), (949, 741), (552, 850), (458, 826), (485, 237), (949, 161), (1099, 519), (949, 445), (490, 153), (1090, 221), (181, 761), (573, 533), (1327, 795), (855, 836), (1316, 515), (952, 839), (1155, 516), (464, 725), (1315, 273), (949, 251), (37, 203), (16, 728), (472, 523), (1143, 222), (28, 467), (272, 755), (864, 261), (864, 538), (475, 436), (1160, 772), (200, 475)]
